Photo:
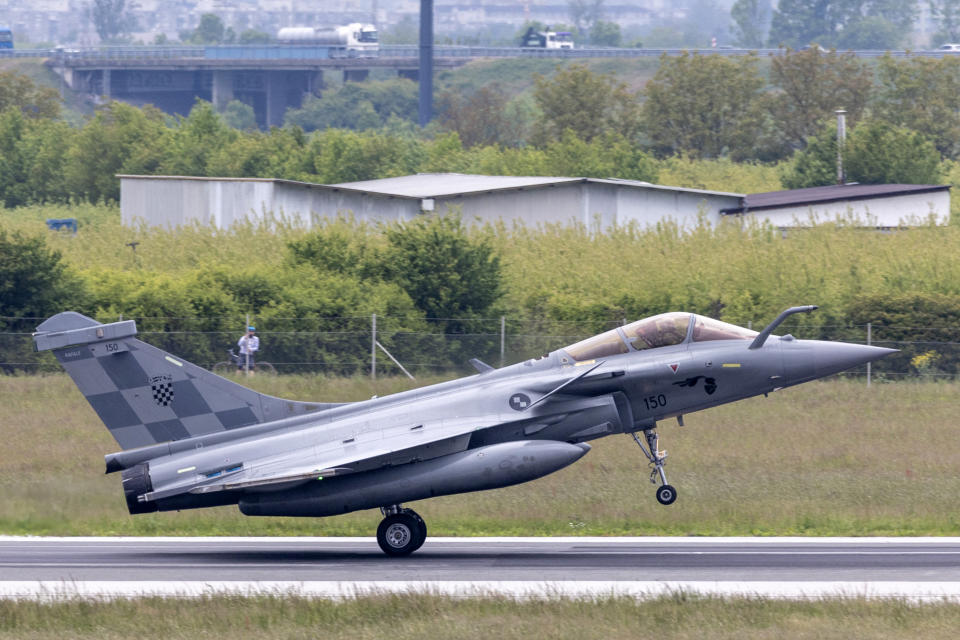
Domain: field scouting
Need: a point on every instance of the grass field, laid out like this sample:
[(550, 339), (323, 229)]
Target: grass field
[(424, 616), (826, 458)]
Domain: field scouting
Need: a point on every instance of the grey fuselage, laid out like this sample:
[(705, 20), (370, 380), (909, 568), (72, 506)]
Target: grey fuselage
[(391, 444)]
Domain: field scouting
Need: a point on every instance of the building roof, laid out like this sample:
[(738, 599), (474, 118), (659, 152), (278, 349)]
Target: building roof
[(438, 185), (433, 185), (832, 193)]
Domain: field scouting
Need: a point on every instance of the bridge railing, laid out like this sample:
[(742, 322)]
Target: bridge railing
[(401, 51)]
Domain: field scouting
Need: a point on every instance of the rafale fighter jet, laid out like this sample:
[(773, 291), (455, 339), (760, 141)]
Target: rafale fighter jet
[(192, 439)]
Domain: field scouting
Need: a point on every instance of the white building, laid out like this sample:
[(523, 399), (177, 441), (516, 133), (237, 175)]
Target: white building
[(176, 200), (597, 203), (882, 206)]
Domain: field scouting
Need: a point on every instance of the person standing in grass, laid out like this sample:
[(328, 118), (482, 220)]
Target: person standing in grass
[(249, 344)]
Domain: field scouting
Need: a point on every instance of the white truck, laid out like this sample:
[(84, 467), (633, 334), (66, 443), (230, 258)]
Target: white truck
[(546, 39), (356, 38)]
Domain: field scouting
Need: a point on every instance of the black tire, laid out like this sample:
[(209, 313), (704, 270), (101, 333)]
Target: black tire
[(223, 368), (422, 536), (398, 534), (266, 368), (666, 494)]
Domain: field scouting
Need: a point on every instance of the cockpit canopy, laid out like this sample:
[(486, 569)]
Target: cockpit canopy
[(664, 330)]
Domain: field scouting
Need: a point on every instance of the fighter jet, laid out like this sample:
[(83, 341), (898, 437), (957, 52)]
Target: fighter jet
[(192, 439)]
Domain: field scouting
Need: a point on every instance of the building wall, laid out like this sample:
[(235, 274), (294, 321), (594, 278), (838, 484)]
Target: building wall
[(173, 202), (599, 205), (329, 203), (647, 207), (532, 207), (909, 209)]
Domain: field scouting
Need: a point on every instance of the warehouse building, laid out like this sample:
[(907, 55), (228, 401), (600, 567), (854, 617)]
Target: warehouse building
[(884, 206), (172, 201)]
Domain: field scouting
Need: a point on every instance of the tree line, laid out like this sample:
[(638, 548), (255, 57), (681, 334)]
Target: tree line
[(575, 122)]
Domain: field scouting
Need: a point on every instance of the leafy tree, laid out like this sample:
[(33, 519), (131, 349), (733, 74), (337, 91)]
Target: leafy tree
[(751, 19), (830, 22), (584, 14), (20, 92), (358, 105), (587, 103), (606, 157), (252, 36), (921, 94), (605, 34), (120, 138), (278, 153), (210, 30), (34, 282), (32, 164), (947, 15), (196, 139), (112, 18), (705, 106), (239, 115), (874, 153), (447, 271), (345, 156), (879, 153), (482, 118), (811, 85), (871, 32)]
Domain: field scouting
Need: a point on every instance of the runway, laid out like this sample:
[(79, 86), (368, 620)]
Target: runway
[(338, 567)]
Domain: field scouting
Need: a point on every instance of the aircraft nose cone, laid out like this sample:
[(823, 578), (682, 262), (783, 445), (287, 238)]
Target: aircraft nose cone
[(834, 357)]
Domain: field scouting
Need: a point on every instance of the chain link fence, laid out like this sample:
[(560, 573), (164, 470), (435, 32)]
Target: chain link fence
[(374, 345)]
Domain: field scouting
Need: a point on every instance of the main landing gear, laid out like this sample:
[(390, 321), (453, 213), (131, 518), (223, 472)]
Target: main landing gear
[(401, 532), (666, 494)]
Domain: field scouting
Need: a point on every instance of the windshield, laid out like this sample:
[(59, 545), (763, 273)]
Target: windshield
[(705, 329), (601, 346), (658, 331)]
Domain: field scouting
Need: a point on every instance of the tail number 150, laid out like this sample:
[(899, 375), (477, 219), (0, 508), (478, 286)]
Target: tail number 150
[(655, 402)]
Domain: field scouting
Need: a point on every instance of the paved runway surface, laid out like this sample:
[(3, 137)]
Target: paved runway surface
[(769, 562)]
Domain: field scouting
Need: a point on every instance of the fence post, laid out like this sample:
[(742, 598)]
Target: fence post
[(246, 365), (373, 347), (869, 340), (503, 336)]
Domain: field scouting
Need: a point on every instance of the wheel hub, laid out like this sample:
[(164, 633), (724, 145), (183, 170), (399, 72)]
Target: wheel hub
[(398, 535)]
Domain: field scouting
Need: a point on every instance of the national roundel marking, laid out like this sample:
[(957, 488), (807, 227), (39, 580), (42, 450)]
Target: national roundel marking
[(519, 401), (162, 387)]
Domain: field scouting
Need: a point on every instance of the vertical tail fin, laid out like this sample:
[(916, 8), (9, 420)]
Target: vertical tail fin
[(144, 395)]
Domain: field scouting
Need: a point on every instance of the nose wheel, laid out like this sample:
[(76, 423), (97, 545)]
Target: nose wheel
[(666, 494), (401, 532)]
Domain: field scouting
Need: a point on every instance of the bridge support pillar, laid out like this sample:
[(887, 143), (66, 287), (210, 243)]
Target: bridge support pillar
[(315, 83), (105, 83), (222, 88), (355, 75), (277, 103)]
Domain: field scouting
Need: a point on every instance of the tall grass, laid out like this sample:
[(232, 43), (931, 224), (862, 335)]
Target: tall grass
[(827, 458), (678, 617), (571, 273)]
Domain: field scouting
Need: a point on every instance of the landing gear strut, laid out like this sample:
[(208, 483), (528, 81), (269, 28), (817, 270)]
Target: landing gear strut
[(666, 494), (401, 532)]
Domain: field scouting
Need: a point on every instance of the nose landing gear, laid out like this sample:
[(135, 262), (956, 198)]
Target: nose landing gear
[(666, 494), (401, 532)]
